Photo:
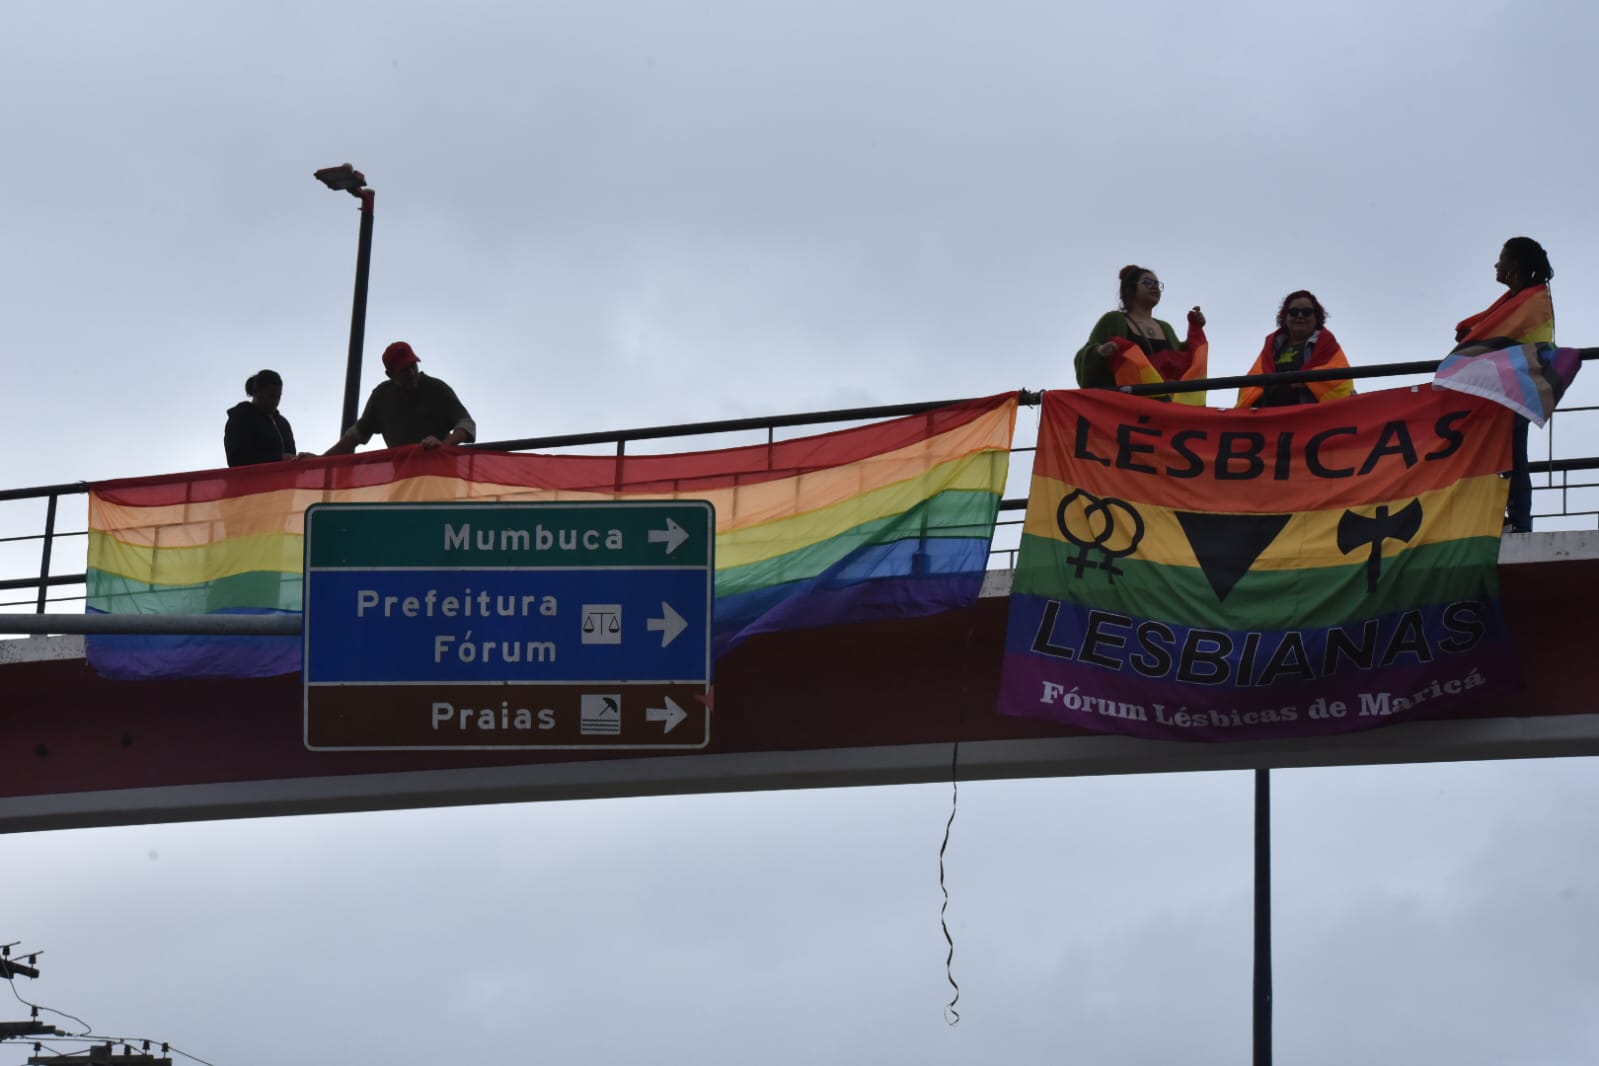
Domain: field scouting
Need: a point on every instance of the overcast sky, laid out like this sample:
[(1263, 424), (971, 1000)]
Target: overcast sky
[(603, 215)]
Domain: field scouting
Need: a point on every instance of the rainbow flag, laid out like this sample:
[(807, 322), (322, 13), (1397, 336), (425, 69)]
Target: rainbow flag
[(890, 519), (1233, 575), (1189, 362)]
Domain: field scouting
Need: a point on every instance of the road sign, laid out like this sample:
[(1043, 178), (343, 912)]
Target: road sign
[(508, 625)]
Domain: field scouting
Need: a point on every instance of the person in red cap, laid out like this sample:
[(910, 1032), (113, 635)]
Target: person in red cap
[(409, 408)]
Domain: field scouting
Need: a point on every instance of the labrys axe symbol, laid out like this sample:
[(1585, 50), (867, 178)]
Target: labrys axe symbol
[(1358, 530)]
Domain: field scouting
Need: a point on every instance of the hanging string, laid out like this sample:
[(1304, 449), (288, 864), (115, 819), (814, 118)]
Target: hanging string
[(951, 1015)]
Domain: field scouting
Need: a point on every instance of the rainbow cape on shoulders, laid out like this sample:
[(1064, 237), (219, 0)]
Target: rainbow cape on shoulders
[(1507, 354), (1525, 317)]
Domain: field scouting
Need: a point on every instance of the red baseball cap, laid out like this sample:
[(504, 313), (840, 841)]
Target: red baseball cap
[(397, 355)]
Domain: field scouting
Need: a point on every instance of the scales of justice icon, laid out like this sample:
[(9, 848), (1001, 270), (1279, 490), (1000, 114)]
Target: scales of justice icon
[(602, 623)]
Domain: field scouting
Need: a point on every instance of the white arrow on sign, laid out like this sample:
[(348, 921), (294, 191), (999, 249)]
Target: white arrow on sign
[(674, 535), (671, 714), (670, 624)]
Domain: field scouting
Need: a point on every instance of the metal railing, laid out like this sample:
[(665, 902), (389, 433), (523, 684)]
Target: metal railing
[(42, 582), (1567, 481)]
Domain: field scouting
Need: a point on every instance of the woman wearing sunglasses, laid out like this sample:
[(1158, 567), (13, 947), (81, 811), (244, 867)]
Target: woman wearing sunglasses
[(1133, 347), (1301, 341)]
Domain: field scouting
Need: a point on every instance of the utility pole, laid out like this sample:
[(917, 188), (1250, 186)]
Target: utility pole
[(8, 1030), (102, 1055), (95, 1055), (10, 969)]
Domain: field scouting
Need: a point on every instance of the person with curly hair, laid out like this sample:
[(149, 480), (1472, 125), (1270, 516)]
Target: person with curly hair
[(1524, 314), (1130, 346), (1301, 341)]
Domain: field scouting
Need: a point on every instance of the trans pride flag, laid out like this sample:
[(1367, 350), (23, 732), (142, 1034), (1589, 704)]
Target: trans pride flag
[(1233, 575), (1529, 379), (891, 519), (1507, 354)]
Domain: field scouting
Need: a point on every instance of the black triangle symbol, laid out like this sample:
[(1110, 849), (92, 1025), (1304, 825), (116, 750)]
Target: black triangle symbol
[(1227, 545)]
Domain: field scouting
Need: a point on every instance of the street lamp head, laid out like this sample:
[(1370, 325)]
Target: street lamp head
[(343, 178)]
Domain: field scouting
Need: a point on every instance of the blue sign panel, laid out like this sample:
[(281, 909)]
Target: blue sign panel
[(516, 625)]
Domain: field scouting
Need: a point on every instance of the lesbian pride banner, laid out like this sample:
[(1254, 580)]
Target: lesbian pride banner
[(1196, 574)]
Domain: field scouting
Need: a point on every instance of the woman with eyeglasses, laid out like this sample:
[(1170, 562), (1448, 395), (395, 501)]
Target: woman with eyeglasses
[(1301, 341), (1525, 314), (1133, 347)]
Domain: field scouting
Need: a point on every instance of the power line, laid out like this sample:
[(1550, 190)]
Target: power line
[(129, 1059), (100, 1054), (11, 969), (87, 1028)]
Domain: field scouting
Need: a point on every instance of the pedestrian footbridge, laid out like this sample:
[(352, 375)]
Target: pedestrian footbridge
[(876, 702)]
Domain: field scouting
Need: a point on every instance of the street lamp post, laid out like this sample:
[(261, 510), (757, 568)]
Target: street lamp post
[(346, 178)]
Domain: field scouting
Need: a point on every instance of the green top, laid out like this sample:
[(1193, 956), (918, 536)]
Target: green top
[(1093, 372), (484, 535), (405, 416)]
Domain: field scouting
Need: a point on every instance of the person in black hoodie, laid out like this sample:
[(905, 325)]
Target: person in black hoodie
[(256, 433)]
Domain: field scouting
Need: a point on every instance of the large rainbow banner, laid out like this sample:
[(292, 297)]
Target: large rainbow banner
[(1194, 574), (890, 519)]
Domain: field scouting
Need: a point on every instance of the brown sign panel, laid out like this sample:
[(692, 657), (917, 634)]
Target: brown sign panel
[(505, 717)]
